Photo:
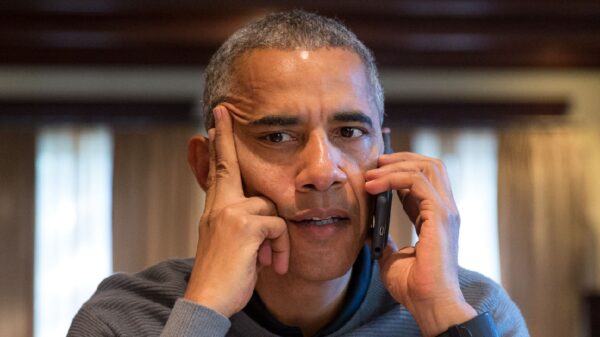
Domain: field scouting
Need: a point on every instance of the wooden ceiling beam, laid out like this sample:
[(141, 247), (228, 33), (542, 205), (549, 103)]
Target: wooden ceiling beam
[(416, 33)]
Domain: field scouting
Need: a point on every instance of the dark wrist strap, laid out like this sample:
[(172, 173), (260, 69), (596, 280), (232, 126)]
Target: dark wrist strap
[(480, 326)]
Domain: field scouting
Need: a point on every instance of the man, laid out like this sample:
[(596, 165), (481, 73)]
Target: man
[(294, 153)]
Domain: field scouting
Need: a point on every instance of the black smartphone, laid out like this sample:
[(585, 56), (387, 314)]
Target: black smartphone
[(382, 210)]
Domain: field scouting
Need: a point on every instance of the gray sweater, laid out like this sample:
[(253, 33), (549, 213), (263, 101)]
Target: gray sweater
[(149, 304)]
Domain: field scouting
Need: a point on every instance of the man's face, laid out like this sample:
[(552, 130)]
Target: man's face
[(306, 130)]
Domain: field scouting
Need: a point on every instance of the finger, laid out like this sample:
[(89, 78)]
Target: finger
[(411, 204), (419, 186), (433, 169), (259, 206), (403, 166), (418, 223), (210, 182), (265, 256), (392, 157), (275, 230), (419, 162), (280, 248), (228, 181), (210, 191), (402, 194)]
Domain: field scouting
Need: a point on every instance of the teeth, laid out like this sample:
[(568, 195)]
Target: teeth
[(320, 222)]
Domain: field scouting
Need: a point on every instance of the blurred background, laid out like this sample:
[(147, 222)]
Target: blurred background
[(99, 97)]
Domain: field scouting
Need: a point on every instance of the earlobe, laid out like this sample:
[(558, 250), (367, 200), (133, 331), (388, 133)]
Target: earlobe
[(198, 159)]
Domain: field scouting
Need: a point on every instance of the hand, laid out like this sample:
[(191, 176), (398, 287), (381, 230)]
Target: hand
[(423, 278), (237, 235)]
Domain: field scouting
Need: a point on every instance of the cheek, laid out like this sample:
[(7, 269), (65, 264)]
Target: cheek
[(356, 163), (261, 177), (359, 159)]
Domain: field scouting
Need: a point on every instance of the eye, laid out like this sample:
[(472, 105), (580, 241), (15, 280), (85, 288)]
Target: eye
[(278, 137), (351, 132)]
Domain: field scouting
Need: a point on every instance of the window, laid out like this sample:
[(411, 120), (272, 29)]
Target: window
[(471, 160), (73, 223)]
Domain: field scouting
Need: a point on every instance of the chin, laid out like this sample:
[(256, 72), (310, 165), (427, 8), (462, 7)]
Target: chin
[(323, 264)]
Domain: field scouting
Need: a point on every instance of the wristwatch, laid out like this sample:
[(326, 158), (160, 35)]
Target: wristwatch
[(480, 326)]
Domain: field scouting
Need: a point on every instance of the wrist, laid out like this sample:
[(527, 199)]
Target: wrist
[(211, 296), (208, 300), (482, 325), (434, 319)]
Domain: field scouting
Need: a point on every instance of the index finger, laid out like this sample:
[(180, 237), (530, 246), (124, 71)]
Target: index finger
[(228, 180)]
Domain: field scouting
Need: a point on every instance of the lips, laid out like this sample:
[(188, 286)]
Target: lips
[(319, 217)]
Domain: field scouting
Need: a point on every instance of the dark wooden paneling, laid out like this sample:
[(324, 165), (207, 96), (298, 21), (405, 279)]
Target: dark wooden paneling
[(32, 113), (415, 33), (464, 112), (117, 113)]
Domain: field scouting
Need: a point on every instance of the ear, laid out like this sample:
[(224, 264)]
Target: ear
[(198, 159)]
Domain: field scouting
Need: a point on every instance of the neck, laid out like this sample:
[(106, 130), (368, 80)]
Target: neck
[(306, 304)]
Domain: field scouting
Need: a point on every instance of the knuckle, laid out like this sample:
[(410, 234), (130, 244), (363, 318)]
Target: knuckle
[(418, 175), (264, 203), (437, 162), (433, 163), (221, 167), (242, 223), (232, 219), (228, 213)]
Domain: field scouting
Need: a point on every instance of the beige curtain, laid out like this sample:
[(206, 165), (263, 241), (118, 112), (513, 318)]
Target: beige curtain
[(156, 201), (17, 204), (543, 226)]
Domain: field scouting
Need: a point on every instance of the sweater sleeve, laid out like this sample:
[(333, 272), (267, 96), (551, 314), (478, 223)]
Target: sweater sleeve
[(86, 323), (486, 295), (508, 317), (189, 319)]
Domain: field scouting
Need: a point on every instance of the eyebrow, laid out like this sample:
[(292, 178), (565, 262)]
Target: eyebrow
[(353, 116), (276, 121)]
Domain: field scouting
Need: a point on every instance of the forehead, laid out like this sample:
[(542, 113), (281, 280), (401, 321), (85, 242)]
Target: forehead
[(300, 82)]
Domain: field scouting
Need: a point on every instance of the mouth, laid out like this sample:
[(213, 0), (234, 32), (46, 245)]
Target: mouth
[(319, 225), (315, 221), (319, 217)]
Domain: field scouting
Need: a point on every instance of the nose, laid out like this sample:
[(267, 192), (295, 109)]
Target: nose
[(319, 170)]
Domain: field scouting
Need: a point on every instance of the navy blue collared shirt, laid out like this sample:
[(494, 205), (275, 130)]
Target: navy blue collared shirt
[(357, 289)]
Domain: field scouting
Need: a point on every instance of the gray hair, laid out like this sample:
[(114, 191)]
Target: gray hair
[(287, 31)]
